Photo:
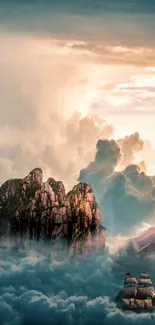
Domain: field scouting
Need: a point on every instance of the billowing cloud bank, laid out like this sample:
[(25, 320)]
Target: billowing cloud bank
[(36, 288), (48, 88), (44, 99), (126, 197)]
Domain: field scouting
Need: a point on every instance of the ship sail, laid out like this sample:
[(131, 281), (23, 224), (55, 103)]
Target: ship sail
[(137, 295), (145, 275), (130, 287), (145, 287), (144, 281)]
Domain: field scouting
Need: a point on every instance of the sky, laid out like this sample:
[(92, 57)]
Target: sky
[(72, 73)]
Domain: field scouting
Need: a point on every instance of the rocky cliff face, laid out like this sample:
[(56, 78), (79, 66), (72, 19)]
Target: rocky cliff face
[(33, 209)]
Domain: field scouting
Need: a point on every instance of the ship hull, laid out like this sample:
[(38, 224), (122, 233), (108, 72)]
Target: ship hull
[(137, 310), (135, 305)]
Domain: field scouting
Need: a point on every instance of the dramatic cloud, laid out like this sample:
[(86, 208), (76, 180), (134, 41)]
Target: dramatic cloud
[(49, 86), (126, 197), (44, 99), (130, 145), (46, 91), (106, 159), (45, 84), (76, 147), (36, 287), (148, 154), (91, 19), (117, 55)]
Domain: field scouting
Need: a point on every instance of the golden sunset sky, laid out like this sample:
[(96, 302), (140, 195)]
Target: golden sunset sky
[(58, 60)]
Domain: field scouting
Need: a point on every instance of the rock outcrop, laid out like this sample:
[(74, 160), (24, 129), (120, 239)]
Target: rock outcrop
[(37, 210), (145, 242), (145, 238)]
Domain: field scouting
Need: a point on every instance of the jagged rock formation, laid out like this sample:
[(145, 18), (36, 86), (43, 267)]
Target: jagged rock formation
[(33, 209)]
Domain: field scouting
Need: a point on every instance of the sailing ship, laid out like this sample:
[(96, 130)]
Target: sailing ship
[(136, 295)]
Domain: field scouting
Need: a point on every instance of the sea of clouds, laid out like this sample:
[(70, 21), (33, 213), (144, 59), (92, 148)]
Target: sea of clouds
[(40, 286)]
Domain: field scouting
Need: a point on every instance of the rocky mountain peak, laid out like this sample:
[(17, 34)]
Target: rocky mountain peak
[(9, 188), (34, 178), (57, 186), (37, 210)]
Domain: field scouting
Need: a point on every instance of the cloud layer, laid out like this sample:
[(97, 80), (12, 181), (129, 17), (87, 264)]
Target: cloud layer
[(91, 19), (36, 287)]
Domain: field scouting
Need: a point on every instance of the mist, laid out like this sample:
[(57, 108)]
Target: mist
[(40, 285)]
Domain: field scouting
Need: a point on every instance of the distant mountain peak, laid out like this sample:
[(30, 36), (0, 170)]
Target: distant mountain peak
[(145, 242)]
